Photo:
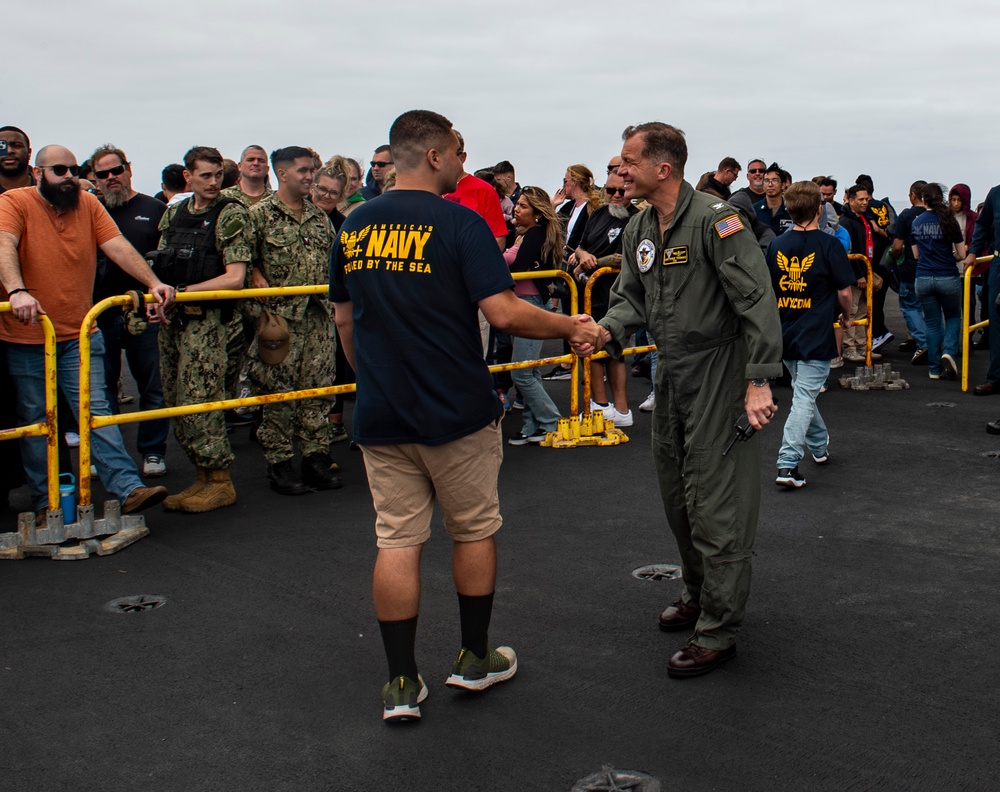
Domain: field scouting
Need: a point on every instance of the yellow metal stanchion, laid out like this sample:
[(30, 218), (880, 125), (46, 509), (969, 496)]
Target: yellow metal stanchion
[(15, 545), (869, 291), (966, 327)]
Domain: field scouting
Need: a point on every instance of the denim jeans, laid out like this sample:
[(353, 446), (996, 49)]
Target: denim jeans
[(939, 294), (804, 427), (26, 363), (143, 355), (540, 412), (909, 306)]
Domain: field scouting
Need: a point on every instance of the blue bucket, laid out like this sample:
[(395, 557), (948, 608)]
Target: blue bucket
[(67, 498)]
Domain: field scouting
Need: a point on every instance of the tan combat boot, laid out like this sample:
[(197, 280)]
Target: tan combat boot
[(173, 502), (217, 492)]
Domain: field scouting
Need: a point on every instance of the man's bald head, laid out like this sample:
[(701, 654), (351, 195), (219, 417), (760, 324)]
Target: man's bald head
[(54, 154)]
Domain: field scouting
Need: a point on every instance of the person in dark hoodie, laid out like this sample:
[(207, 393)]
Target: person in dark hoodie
[(882, 218), (960, 203)]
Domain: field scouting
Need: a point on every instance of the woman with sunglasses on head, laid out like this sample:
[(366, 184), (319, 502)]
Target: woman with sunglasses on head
[(539, 246), (576, 199)]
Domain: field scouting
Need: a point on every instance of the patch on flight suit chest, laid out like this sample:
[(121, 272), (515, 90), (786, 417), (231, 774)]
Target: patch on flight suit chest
[(675, 255), (644, 255)]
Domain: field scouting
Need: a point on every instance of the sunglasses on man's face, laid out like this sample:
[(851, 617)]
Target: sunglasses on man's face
[(756, 170), (61, 170), (613, 191), (118, 170)]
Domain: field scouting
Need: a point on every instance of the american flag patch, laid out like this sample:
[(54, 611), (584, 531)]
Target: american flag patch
[(729, 226)]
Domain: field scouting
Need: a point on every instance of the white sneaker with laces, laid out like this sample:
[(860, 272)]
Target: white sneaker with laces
[(607, 409), (622, 419), (649, 404)]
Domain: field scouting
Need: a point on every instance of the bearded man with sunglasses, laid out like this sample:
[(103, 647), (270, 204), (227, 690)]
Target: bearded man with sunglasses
[(138, 218), (49, 236)]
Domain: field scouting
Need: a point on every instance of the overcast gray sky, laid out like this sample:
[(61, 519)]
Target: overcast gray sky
[(888, 88)]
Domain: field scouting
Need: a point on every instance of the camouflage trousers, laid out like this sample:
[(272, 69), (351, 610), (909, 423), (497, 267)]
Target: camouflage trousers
[(193, 367), (309, 364), (237, 344)]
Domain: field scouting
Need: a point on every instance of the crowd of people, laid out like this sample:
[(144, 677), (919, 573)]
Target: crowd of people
[(728, 283)]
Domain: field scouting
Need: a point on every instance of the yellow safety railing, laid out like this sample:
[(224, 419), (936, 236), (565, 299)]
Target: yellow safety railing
[(966, 327), (88, 421), (48, 429)]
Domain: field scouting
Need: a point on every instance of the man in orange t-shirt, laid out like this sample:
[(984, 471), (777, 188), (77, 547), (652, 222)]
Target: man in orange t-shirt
[(49, 235)]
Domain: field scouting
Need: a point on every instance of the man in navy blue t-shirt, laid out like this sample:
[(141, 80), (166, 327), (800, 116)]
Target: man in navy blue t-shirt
[(409, 273), (811, 275)]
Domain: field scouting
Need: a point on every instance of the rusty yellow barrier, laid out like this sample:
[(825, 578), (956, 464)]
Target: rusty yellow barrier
[(89, 422), (49, 428), (869, 291), (966, 327)]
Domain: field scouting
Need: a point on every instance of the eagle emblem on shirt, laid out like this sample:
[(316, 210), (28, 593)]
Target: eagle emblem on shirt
[(794, 270), (644, 254), (352, 241), (881, 215)]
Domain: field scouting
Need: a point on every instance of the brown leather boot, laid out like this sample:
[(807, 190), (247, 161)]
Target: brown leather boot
[(217, 492), (173, 502)]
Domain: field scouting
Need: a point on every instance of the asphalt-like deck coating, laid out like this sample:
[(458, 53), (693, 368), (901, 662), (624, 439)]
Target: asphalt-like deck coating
[(867, 659)]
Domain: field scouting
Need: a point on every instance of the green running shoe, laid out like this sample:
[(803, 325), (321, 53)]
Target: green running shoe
[(476, 673), (402, 697)]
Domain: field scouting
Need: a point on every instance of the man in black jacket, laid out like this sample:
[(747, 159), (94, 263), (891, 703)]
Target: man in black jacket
[(854, 221)]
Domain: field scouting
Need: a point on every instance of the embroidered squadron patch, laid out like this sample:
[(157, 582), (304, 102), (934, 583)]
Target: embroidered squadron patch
[(644, 254), (675, 255), (729, 226)]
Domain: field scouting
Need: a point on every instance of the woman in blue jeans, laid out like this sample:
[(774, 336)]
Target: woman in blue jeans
[(539, 246), (939, 246)]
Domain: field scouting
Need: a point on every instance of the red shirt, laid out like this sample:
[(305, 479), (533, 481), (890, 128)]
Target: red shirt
[(482, 199)]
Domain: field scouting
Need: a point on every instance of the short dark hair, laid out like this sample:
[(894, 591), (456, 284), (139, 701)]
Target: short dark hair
[(383, 148), (202, 154), (173, 177), (230, 173), (283, 157), (917, 188), (802, 201), (19, 131), (854, 189), (730, 163), (828, 181), (661, 142), (503, 167), (774, 167), (786, 177), (865, 181), (414, 133)]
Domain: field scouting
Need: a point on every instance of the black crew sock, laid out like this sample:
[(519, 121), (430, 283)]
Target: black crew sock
[(399, 638), (475, 613)]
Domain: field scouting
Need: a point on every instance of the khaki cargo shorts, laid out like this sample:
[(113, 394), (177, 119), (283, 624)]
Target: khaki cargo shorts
[(406, 478)]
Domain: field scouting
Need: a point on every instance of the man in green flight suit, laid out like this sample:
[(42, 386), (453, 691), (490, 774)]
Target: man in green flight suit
[(293, 240), (693, 274), (205, 246)]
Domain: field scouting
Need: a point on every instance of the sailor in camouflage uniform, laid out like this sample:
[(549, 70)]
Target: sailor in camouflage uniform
[(292, 243), (251, 188), (205, 245)]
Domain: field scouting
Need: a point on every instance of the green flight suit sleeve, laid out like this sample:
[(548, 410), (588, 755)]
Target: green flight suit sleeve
[(745, 279)]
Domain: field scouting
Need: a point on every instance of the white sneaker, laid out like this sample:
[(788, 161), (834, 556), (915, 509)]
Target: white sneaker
[(622, 419), (607, 409), (649, 404), (154, 466), (72, 439)]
